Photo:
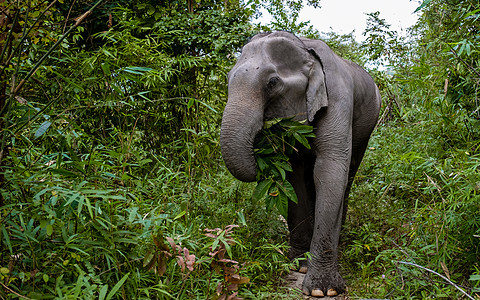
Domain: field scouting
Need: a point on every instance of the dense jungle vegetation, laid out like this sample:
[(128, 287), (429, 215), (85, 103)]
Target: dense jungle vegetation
[(112, 185)]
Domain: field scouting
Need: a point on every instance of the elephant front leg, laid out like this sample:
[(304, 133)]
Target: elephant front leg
[(323, 277)]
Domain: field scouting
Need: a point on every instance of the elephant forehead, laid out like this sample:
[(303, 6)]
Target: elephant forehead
[(285, 54), (277, 49), (280, 49)]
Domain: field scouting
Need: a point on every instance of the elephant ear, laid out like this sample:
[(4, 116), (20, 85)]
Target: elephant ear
[(317, 96)]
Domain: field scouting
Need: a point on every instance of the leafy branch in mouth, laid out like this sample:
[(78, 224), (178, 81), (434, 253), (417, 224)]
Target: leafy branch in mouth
[(279, 139)]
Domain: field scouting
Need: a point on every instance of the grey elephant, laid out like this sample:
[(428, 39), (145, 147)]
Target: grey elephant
[(280, 75)]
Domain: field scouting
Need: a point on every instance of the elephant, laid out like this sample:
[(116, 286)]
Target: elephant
[(280, 75)]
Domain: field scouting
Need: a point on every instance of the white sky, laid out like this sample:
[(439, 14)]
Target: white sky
[(344, 16)]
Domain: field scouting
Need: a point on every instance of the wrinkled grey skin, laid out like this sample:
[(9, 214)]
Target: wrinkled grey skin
[(280, 75)]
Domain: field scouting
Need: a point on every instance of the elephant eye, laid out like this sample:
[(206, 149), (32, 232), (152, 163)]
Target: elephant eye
[(272, 82)]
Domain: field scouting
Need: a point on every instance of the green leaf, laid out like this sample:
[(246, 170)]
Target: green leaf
[(42, 129), (282, 204), (49, 229), (79, 285), (241, 218), (261, 189), (106, 69), (64, 172), (284, 165), (270, 202), (268, 124), (7, 239), (137, 70), (282, 172), (117, 287), (289, 191), (261, 164), (474, 277), (423, 5), (190, 103), (181, 214), (103, 292), (302, 140)]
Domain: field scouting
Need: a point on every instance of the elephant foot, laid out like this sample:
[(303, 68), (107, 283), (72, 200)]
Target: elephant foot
[(295, 253), (319, 293), (321, 285)]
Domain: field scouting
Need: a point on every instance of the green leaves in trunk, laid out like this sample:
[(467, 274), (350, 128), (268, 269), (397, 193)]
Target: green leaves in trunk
[(279, 139)]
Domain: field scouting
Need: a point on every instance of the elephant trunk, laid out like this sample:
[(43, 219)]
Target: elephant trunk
[(242, 121)]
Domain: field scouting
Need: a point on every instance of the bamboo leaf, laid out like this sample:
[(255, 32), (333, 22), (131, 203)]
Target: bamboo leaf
[(42, 129), (117, 287)]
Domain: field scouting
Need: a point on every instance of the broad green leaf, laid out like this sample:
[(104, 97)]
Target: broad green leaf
[(268, 124), (261, 189), (106, 69), (269, 202), (49, 229), (303, 129), (302, 140), (289, 191), (284, 165), (261, 164), (282, 204), (264, 151)]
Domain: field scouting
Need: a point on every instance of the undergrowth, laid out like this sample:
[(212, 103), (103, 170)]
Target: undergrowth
[(415, 200)]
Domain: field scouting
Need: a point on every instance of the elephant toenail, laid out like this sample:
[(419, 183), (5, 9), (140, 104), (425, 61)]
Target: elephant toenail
[(331, 293), (317, 293), (306, 292), (303, 270)]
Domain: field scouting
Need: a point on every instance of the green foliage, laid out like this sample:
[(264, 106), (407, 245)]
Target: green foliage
[(110, 170), (280, 138), (422, 213), (111, 180), (422, 170)]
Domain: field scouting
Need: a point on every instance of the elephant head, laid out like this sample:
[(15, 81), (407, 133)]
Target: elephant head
[(276, 76)]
